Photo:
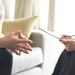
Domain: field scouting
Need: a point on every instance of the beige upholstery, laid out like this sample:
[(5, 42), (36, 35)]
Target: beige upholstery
[(24, 24)]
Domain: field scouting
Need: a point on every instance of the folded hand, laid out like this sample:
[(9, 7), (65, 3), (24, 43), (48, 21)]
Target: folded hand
[(16, 42)]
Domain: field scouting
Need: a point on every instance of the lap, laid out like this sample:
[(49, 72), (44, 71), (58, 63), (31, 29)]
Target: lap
[(65, 64), (5, 62)]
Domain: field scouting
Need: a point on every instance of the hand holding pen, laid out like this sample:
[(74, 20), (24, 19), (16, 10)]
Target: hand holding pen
[(68, 41)]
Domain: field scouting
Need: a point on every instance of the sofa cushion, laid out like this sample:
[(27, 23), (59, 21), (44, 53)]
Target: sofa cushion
[(32, 71), (24, 24), (27, 61)]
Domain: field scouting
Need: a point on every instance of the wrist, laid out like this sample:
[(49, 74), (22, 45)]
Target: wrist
[(3, 44)]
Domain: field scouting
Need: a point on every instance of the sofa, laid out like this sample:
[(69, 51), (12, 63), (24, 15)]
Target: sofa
[(30, 64), (38, 61)]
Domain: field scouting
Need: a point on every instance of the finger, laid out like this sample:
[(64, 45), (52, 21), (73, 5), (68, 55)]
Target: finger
[(28, 47), (65, 36), (17, 52), (23, 50), (25, 46), (17, 32), (67, 41), (25, 41), (30, 41), (24, 37)]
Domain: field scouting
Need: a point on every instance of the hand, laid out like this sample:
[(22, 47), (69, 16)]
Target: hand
[(16, 42), (68, 42)]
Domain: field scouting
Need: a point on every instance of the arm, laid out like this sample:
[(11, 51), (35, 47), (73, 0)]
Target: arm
[(16, 42)]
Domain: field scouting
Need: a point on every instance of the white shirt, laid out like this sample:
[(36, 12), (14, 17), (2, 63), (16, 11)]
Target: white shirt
[(1, 15)]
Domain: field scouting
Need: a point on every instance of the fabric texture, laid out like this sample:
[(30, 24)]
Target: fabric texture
[(5, 62), (27, 61), (65, 64), (33, 71), (24, 24)]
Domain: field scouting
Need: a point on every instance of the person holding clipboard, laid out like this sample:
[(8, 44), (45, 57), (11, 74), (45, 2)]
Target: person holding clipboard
[(66, 62)]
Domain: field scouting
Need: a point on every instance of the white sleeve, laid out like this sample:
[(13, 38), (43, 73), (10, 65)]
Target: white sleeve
[(1, 15)]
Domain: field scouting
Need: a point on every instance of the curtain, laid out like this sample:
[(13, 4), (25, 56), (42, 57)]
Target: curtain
[(9, 6), (21, 8), (26, 8), (6, 7), (51, 15)]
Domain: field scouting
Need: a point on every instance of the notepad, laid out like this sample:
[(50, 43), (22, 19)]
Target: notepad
[(53, 35), (50, 33)]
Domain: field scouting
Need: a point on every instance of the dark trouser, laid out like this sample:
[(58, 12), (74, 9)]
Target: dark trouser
[(5, 62), (65, 64)]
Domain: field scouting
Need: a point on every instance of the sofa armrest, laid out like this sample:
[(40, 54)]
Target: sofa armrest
[(38, 39)]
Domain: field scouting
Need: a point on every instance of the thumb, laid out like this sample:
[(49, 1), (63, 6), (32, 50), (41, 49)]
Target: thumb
[(17, 33)]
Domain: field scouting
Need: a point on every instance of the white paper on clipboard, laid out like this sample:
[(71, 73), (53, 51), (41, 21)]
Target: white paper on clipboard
[(50, 33), (55, 36)]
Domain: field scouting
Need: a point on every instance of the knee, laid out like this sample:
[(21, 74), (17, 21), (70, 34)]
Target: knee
[(5, 55)]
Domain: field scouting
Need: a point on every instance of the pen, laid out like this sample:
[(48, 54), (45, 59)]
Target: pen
[(50, 33)]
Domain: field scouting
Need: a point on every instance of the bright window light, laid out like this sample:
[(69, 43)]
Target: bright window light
[(44, 10), (64, 21), (12, 9)]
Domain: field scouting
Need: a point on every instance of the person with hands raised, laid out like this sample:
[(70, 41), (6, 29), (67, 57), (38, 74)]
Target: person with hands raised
[(13, 42), (16, 42)]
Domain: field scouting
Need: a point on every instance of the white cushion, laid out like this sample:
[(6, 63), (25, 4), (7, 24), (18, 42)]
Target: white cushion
[(26, 61), (33, 71)]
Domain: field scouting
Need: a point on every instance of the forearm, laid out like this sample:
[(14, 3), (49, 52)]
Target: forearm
[(2, 42)]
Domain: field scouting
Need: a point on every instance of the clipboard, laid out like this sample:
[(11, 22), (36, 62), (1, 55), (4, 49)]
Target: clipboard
[(50, 33)]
